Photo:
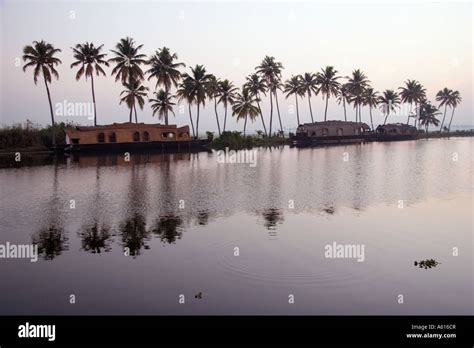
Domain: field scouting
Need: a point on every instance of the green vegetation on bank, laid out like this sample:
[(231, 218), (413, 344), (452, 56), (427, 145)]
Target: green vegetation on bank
[(31, 136)]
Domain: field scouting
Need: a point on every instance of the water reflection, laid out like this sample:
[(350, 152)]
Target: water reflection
[(51, 238), (134, 234), (272, 217), (96, 239), (168, 228)]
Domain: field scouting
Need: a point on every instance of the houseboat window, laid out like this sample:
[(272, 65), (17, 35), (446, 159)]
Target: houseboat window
[(313, 133), (393, 131), (101, 138), (112, 138), (184, 135), (325, 132), (168, 135), (75, 140), (136, 136), (339, 132), (146, 136), (356, 131)]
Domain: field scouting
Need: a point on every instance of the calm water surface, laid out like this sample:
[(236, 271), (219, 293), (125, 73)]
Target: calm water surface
[(176, 249)]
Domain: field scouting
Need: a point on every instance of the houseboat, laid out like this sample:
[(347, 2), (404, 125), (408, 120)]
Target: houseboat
[(330, 132), (396, 131), (341, 132), (129, 136)]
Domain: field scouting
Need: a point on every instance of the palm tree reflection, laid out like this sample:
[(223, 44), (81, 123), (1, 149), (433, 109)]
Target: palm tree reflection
[(169, 228), (134, 234), (51, 241), (95, 239), (272, 217)]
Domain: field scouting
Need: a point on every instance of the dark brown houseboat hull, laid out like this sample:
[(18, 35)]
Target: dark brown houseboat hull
[(139, 146)]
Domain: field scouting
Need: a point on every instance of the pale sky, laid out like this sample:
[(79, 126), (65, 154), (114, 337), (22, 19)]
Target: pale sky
[(429, 42)]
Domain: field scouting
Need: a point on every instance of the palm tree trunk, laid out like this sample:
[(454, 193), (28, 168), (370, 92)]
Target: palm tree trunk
[(197, 123), (53, 129), (166, 111), (225, 116), (271, 115), (451, 120), (371, 122), (344, 105), (245, 124), (93, 100), (357, 116), (442, 122), (360, 113), (310, 110), (135, 108), (409, 113), (261, 115), (131, 113), (191, 118), (385, 121), (279, 117), (217, 116), (297, 112), (326, 109)]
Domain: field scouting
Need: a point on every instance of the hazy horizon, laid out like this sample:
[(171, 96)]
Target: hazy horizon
[(391, 43)]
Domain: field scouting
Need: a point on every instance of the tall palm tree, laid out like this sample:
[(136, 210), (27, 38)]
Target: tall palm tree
[(212, 90), (162, 104), (444, 97), (328, 85), (134, 93), (428, 113), (244, 107), (343, 97), (226, 93), (309, 86), (187, 92), (270, 71), (198, 80), (274, 87), (128, 60), (357, 83), (388, 101), (255, 86), (165, 70), (455, 101), (41, 56), (412, 93), (89, 58), (371, 99), (293, 87)]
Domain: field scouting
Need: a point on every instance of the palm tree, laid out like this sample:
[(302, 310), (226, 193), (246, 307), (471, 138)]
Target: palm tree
[(244, 107), (444, 97), (255, 86), (186, 91), (212, 90), (89, 57), (388, 101), (328, 85), (134, 93), (226, 93), (343, 97), (270, 71), (455, 101), (371, 98), (293, 87), (274, 87), (428, 113), (357, 83), (162, 104), (198, 81), (128, 61), (165, 70), (309, 85), (41, 56), (412, 92)]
